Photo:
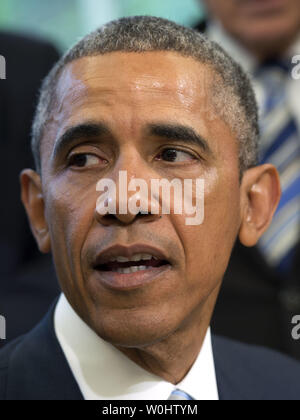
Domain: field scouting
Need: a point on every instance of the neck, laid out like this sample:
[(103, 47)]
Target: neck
[(173, 357)]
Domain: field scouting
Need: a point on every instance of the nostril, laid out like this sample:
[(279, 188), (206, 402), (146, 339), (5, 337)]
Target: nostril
[(108, 220), (124, 219), (110, 217)]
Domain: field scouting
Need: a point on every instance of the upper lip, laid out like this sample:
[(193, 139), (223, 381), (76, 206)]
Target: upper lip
[(128, 251)]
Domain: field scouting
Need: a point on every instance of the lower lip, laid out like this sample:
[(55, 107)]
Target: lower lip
[(123, 282)]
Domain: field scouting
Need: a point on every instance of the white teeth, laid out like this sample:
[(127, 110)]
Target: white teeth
[(122, 259), (147, 257), (142, 257), (136, 257), (132, 269)]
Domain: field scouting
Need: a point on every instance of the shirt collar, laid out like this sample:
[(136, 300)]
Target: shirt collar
[(295, 48), (104, 373)]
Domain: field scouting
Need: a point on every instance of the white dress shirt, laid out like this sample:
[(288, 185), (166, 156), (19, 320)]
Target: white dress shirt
[(217, 33), (103, 372)]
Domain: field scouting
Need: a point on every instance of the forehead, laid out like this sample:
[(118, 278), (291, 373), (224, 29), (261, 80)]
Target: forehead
[(136, 79), (129, 92)]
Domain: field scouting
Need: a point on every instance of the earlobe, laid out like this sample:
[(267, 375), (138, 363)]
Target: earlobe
[(260, 196), (33, 201)]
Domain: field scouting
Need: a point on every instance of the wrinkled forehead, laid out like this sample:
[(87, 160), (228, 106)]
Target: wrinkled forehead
[(129, 92), (163, 75)]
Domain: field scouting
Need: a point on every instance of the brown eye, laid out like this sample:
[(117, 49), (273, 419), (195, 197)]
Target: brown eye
[(82, 160), (175, 156)]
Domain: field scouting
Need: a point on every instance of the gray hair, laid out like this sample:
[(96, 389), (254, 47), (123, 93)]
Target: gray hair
[(232, 94)]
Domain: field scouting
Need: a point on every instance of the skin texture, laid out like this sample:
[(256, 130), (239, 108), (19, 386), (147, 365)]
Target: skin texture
[(265, 27), (160, 326)]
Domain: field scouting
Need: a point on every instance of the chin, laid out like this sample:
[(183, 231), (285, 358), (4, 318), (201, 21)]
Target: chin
[(134, 332)]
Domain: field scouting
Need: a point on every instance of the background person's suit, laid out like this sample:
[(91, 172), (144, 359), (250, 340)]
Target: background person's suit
[(27, 283), (256, 304)]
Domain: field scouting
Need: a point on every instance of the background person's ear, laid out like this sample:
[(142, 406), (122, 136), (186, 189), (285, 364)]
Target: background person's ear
[(260, 196), (32, 198)]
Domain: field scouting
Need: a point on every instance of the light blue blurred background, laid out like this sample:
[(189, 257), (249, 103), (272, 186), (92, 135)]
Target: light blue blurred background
[(64, 21)]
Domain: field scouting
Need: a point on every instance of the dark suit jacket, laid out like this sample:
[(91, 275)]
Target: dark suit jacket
[(28, 60), (33, 367), (27, 283), (256, 304)]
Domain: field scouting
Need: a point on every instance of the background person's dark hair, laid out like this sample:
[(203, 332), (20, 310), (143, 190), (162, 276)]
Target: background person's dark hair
[(233, 97)]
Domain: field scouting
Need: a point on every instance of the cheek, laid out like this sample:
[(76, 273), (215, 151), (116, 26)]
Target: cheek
[(208, 246), (70, 214)]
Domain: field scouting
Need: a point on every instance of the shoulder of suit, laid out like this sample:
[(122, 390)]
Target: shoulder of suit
[(5, 356), (201, 26), (259, 373), (31, 50), (243, 372), (17, 40), (34, 56)]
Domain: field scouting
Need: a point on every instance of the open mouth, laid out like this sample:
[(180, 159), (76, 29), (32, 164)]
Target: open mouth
[(138, 262)]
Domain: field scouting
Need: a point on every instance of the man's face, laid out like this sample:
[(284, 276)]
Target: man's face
[(144, 105), (261, 25)]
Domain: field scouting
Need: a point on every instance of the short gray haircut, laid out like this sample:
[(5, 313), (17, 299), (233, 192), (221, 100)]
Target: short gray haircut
[(232, 93)]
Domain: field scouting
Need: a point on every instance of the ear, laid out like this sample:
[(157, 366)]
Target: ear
[(260, 196), (32, 198)]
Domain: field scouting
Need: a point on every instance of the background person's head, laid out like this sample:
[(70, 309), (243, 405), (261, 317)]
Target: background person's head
[(121, 100), (265, 27)]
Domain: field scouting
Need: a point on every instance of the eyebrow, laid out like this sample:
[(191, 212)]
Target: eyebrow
[(89, 130), (181, 133), (84, 131)]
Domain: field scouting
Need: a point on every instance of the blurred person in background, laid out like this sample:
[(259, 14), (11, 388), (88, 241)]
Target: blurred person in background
[(27, 283), (261, 292)]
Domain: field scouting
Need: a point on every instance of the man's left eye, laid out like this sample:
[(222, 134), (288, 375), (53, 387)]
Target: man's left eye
[(175, 156), (82, 160)]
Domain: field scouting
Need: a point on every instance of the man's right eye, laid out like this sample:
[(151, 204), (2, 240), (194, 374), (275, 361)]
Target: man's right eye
[(84, 160)]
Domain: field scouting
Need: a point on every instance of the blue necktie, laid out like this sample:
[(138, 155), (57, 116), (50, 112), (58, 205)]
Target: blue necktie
[(280, 145), (180, 395)]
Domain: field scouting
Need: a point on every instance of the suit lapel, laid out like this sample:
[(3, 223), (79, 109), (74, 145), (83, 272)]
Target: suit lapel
[(38, 369), (226, 373)]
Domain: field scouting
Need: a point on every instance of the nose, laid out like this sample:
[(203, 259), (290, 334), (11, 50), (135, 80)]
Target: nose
[(125, 198)]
